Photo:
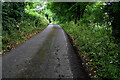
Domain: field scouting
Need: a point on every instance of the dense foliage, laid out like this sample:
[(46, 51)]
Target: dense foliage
[(101, 53), (99, 13), (113, 10), (95, 29), (67, 11), (19, 22)]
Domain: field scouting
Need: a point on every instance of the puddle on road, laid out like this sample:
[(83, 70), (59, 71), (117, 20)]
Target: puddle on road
[(42, 54)]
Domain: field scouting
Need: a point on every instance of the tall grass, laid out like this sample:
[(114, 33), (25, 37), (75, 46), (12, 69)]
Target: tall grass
[(96, 44)]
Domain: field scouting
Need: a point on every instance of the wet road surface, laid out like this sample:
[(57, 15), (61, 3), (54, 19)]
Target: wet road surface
[(49, 54)]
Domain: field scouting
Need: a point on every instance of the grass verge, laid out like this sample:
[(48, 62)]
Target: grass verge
[(97, 48)]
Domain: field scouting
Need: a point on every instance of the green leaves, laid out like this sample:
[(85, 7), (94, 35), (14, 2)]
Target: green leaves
[(98, 46), (67, 11), (19, 25)]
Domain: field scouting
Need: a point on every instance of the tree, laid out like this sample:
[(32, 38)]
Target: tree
[(67, 11), (113, 10)]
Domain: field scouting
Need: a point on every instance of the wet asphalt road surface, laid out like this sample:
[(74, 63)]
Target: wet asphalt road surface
[(48, 54)]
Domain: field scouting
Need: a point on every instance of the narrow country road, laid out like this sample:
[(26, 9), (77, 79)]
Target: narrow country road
[(49, 54)]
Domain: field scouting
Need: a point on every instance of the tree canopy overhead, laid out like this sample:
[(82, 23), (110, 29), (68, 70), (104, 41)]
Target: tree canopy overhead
[(102, 13), (66, 11)]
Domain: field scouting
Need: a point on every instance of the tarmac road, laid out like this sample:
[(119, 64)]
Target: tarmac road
[(49, 54)]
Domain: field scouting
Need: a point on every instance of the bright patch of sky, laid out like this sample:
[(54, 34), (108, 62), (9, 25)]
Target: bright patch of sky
[(40, 7)]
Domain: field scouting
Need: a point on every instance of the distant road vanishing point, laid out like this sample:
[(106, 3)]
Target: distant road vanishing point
[(48, 54)]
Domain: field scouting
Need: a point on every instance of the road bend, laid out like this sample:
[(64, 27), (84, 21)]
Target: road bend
[(48, 54)]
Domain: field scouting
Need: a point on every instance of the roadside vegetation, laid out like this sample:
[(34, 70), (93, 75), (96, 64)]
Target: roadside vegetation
[(95, 31), (96, 47), (20, 21)]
